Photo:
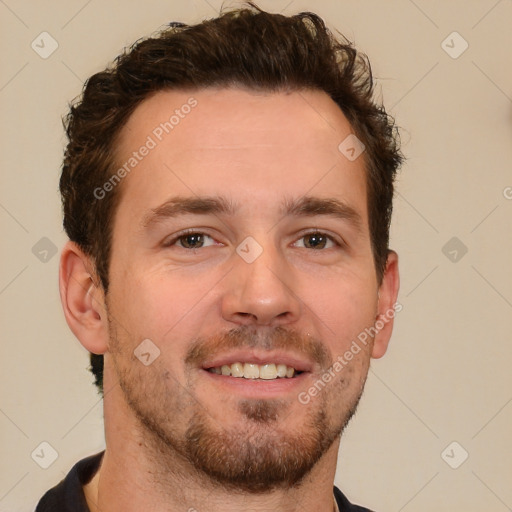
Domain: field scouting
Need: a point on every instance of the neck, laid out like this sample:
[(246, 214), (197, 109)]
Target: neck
[(115, 489)]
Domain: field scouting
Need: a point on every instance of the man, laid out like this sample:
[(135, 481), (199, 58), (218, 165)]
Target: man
[(227, 192)]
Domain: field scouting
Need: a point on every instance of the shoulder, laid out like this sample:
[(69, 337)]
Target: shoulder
[(68, 495), (344, 505)]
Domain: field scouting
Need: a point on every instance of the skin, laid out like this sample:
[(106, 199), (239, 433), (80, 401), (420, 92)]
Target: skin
[(309, 299)]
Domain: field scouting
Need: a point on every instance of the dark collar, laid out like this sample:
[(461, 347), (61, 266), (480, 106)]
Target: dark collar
[(68, 495)]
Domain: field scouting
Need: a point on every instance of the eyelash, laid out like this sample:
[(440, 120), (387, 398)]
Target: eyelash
[(183, 234)]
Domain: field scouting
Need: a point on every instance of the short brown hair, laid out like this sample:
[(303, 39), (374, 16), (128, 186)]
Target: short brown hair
[(244, 47)]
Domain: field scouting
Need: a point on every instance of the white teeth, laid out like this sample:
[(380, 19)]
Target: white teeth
[(281, 370), (237, 370), (251, 371), (268, 371)]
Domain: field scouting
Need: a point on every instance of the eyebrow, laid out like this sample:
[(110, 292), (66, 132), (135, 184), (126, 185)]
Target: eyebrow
[(306, 206), (309, 206), (179, 205)]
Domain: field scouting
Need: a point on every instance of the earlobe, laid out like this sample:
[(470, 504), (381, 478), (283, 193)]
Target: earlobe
[(387, 305), (83, 299)]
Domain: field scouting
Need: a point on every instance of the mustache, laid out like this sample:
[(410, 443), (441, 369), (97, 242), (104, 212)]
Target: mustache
[(276, 338)]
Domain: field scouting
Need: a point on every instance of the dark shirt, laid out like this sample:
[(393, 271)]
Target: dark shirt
[(68, 495)]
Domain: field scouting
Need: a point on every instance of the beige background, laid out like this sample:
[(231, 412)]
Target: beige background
[(447, 374)]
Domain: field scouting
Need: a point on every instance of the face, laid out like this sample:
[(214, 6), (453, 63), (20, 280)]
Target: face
[(241, 246)]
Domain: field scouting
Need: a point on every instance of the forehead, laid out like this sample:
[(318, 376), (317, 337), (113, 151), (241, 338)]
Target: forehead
[(238, 143), (227, 116)]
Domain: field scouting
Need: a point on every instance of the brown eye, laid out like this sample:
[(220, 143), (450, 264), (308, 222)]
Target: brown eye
[(191, 240), (317, 240)]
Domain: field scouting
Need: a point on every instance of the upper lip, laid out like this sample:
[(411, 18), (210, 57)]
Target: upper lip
[(260, 357)]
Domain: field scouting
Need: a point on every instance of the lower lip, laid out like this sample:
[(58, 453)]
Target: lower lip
[(259, 387)]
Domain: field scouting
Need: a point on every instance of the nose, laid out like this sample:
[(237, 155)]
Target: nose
[(261, 292)]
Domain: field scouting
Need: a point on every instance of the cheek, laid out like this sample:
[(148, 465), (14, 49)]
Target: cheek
[(344, 308), (160, 307)]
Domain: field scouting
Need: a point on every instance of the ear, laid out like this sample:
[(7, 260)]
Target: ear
[(387, 306), (83, 299)]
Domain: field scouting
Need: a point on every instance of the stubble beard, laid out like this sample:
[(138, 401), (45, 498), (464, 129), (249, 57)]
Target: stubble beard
[(257, 456)]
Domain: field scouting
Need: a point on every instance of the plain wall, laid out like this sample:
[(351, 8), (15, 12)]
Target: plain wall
[(446, 376)]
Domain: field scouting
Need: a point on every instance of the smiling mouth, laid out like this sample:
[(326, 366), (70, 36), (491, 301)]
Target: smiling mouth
[(267, 371)]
